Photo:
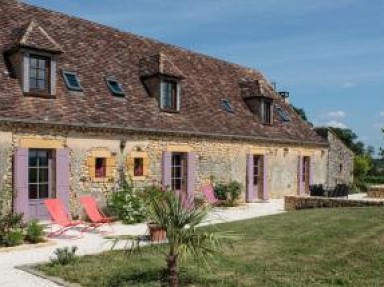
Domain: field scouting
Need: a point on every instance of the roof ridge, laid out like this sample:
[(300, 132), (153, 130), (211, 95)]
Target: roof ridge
[(147, 38)]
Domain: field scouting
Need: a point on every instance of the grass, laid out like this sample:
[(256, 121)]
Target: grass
[(322, 247)]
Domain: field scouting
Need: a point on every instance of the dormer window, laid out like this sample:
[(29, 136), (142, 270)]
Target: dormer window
[(39, 71), (227, 105), (115, 87), (266, 111), (170, 96), (72, 81)]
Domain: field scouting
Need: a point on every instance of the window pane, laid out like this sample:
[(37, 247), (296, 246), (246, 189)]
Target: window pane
[(32, 158), (33, 191), (41, 74), (100, 167), (43, 175), (176, 159), (33, 73), (139, 167), (32, 84), (41, 84), (177, 184), (33, 62), (176, 172), (32, 176), (43, 191), (43, 158), (42, 63)]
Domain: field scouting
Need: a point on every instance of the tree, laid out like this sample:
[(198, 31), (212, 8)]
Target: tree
[(302, 114), (348, 137)]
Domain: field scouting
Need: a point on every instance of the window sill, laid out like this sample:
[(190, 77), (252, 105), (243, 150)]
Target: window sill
[(168, 110), (139, 178), (102, 179), (39, 95)]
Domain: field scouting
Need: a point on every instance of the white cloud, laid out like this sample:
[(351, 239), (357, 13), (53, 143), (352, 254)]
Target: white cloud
[(348, 85), (335, 115), (336, 124)]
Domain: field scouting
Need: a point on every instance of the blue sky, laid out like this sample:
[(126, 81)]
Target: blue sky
[(328, 54)]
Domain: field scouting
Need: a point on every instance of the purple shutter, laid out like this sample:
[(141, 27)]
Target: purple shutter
[(63, 176), (311, 165), (250, 194), (300, 175), (191, 177), (167, 164), (20, 190), (265, 177)]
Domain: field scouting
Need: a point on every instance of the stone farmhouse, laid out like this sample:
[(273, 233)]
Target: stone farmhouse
[(83, 105)]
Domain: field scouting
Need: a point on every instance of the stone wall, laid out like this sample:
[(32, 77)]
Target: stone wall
[(340, 165), (297, 202), (222, 160), (5, 172), (376, 191)]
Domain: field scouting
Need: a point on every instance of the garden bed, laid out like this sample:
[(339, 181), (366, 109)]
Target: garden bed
[(301, 248), (27, 246)]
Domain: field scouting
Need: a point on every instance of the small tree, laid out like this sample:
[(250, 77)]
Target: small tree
[(183, 237)]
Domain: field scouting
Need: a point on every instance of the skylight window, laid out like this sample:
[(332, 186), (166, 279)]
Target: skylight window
[(283, 115), (72, 81), (115, 87), (227, 106)]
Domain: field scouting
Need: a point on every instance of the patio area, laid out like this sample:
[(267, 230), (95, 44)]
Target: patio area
[(96, 243)]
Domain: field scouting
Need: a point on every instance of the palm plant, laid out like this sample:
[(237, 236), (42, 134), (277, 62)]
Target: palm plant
[(183, 237)]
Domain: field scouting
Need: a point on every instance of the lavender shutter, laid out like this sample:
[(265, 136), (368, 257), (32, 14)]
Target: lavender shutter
[(21, 182), (63, 176), (265, 177), (191, 161), (166, 169), (311, 170), (300, 175), (250, 194)]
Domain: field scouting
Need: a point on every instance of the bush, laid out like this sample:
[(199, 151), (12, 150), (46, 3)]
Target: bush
[(13, 238), (35, 232), (11, 230), (127, 204), (64, 256), (372, 179), (229, 193)]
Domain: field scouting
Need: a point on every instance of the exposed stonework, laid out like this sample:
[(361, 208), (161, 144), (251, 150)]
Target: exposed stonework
[(376, 191), (5, 172), (299, 202), (222, 160), (340, 160)]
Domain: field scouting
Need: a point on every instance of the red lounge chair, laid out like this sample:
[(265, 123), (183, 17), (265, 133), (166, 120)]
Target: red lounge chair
[(94, 213), (60, 217), (210, 195)]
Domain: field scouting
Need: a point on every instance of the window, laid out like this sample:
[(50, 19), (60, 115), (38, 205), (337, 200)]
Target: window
[(115, 87), (39, 74), (305, 172), (283, 115), (39, 174), (257, 169), (266, 114), (138, 169), (179, 171), (100, 167), (169, 95), (72, 81), (227, 106)]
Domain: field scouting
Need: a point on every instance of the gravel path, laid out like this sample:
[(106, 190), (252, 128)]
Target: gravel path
[(94, 243)]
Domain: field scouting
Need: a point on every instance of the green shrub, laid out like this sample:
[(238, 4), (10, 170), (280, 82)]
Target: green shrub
[(10, 227), (127, 204), (374, 179), (35, 232), (229, 193), (64, 256), (13, 238)]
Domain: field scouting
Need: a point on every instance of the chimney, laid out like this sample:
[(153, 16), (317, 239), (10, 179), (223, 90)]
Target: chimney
[(285, 96)]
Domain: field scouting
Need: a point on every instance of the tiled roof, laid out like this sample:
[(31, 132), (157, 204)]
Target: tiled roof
[(95, 51)]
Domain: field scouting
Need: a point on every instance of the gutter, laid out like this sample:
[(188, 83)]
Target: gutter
[(161, 131)]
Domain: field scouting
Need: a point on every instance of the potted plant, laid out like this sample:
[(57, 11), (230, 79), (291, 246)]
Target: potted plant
[(154, 196)]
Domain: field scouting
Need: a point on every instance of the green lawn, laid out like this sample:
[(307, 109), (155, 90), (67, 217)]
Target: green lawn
[(323, 247)]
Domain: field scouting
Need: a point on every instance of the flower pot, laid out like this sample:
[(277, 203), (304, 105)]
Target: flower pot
[(156, 232)]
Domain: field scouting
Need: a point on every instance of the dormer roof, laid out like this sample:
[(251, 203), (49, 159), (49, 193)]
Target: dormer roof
[(159, 64), (35, 37)]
